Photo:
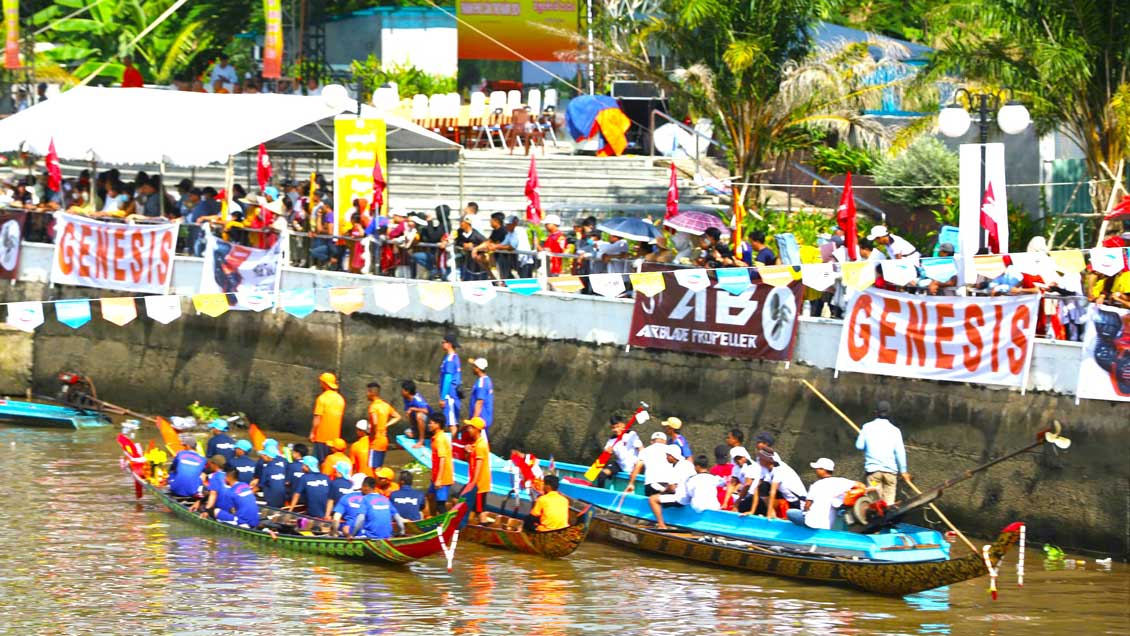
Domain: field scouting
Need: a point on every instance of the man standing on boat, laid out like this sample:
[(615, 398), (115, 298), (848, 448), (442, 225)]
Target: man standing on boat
[(381, 417), (220, 441), (328, 411), (884, 456), (450, 379), (478, 457), (482, 393), (658, 472), (443, 471)]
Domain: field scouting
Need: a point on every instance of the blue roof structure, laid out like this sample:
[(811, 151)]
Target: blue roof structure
[(828, 33)]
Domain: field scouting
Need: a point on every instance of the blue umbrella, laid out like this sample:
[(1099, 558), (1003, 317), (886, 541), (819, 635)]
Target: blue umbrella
[(631, 228)]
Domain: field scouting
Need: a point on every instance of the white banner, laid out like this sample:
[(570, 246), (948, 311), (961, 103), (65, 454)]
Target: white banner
[(1104, 370), (249, 273), (113, 255), (981, 340), (972, 194)]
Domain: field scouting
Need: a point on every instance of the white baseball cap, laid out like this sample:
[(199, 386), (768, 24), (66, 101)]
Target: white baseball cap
[(876, 232), (481, 363), (551, 219), (674, 451), (824, 463), (658, 435), (363, 425), (740, 451)]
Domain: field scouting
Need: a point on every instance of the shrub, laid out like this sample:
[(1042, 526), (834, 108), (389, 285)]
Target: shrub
[(927, 162), (409, 79), (842, 158)]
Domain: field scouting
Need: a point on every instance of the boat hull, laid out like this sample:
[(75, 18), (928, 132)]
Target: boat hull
[(49, 415)]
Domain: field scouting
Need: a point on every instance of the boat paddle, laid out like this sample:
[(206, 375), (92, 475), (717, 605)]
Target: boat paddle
[(640, 416), (847, 419)]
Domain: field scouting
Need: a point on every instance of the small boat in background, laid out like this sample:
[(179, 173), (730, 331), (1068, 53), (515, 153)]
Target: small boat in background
[(508, 533), (50, 415)]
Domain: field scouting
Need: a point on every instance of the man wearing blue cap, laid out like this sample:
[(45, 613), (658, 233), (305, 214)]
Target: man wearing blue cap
[(184, 473), (220, 441), (270, 475), (295, 470), (313, 490), (238, 507), (242, 461)]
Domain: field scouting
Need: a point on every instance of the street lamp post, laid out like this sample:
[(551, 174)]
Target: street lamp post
[(954, 120)]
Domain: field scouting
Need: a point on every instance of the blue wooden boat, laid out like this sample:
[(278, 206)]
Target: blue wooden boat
[(50, 415)]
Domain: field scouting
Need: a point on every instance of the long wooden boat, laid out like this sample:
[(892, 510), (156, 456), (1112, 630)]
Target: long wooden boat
[(49, 415), (507, 533)]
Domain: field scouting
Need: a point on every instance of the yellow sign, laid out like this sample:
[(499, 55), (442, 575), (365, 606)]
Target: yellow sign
[(514, 23), (358, 144)]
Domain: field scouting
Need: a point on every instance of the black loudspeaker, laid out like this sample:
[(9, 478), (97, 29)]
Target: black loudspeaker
[(623, 89)]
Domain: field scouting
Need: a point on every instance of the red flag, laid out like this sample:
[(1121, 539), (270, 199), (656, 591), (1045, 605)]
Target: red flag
[(263, 172), (54, 169), (672, 195), (533, 209), (1120, 210), (379, 185), (988, 223), (845, 218)]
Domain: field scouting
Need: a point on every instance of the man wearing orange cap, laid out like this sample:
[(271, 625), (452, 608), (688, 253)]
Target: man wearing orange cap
[(385, 484), (329, 464), (478, 456), (328, 411)]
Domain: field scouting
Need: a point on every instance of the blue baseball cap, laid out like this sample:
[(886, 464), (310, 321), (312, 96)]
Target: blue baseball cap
[(243, 445), (271, 191), (343, 469), (220, 424), (310, 462), (271, 442), (270, 452)]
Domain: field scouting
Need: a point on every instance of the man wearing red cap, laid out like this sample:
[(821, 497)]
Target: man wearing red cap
[(328, 411)]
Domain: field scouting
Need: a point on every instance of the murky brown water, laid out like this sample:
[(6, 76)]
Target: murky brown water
[(79, 555)]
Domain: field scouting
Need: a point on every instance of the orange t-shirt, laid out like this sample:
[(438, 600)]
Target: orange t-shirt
[(332, 459), (331, 406), (392, 487), (481, 455), (441, 448), (359, 452), (379, 410)]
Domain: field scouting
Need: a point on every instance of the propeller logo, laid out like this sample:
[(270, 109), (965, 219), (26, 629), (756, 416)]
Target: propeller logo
[(9, 245), (779, 318)]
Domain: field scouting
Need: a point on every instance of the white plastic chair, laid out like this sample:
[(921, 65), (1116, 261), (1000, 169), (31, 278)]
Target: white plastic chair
[(419, 107), (476, 117), (497, 107), (386, 99), (534, 102), (546, 117), (497, 100), (550, 99), (513, 101)]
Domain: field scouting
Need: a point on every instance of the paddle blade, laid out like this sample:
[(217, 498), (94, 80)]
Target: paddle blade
[(169, 434), (257, 437), (594, 471)]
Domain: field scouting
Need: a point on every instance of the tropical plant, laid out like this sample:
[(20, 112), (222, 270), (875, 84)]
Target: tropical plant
[(927, 162), (842, 158), (409, 80), (1067, 60)]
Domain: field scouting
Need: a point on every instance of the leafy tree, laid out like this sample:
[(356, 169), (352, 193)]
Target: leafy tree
[(903, 19), (926, 162)]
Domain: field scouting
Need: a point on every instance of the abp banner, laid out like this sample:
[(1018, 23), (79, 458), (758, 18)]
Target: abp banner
[(1104, 370), (113, 255), (11, 238), (514, 23), (248, 275), (985, 340)]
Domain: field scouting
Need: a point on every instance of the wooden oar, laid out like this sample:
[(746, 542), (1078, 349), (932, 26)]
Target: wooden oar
[(847, 419), (170, 435)]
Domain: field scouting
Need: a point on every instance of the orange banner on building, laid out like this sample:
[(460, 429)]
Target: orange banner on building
[(515, 23), (272, 39), (11, 33), (113, 255)]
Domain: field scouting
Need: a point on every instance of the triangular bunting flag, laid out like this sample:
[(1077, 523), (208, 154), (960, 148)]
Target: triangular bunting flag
[(566, 284), (693, 279), (347, 299), (298, 302), (939, 268), (163, 309), (25, 316), (214, 305), (122, 311), (437, 296), (989, 265), (777, 275), (818, 276), (1069, 261), (899, 272), (733, 279), (858, 275), (255, 300), (391, 297), (1107, 261), (479, 292), (524, 286), (73, 313), (648, 283), (607, 285)]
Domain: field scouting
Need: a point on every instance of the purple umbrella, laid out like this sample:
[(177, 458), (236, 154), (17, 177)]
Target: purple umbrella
[(695, 223)]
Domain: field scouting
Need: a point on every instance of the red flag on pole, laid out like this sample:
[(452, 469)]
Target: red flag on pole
[(379, 185), (988, 223), (1122, 209), (263, 172), (672, 195), (533, 209), (845, 218), (54, 169)]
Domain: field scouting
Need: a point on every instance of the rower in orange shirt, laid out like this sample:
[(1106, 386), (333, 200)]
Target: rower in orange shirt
[(338, 455), (381, 416), (328, 411)]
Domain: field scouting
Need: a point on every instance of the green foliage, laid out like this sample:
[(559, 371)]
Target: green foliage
[(409, 79), (927, 162), (903, 19), (842, 158), (203, 414), (1021, 228)]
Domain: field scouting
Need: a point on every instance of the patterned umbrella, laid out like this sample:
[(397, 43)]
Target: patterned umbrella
[(630, 228), (695, 223)]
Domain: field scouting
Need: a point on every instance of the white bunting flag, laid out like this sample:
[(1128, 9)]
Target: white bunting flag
[(695, 280), (25, 316), (255, 300), (163, 309), (479, 292), (818, 276), (608, 285), (1107, 261), (900, 272), (391, 297)]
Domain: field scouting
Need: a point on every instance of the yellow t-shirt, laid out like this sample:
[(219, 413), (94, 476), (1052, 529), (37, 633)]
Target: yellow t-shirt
[(552, 511), (441, 448), (379, 411), (481, 455), (331, 406)]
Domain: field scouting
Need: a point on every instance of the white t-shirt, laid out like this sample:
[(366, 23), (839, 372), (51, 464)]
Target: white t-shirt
[(790, 486), (901, 248), (826, 495), (683, 470), (656, 468), (702, 492), (626, 451), (745, 473)]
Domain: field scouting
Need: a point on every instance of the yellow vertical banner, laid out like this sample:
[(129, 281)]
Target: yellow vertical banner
[(272, 39), (358, 143), (11, 33)]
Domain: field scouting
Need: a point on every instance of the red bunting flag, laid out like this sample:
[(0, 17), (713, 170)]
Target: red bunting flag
[(988, 223), (54, 168), (533, 209), (672, 195), (379, 185), (1122, 209), (845, 218), (263, 172)]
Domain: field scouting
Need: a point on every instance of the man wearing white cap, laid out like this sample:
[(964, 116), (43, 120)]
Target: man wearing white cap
[(825, 495), (896, 246), (555, 243), (482, 393)]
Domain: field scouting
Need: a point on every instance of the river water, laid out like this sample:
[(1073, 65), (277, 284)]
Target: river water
[(78, 554)]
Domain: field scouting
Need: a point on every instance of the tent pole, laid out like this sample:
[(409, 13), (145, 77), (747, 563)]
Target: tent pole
[(161, 192), (93, 181), (229, 180)]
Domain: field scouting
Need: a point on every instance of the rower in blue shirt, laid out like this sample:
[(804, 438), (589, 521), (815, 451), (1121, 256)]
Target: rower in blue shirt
[(294, 469), (220, 441), (884, 455), (407, 500), (242, 462), (214, 484), (270, 475), (313, 490), (416, 410), (376, 512), (482, 393), (346, 512), (342, 485), (238, 506), (184, 473)]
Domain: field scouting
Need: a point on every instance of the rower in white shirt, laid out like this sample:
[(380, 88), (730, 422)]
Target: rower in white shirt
[(776, 480), (657, 464), (625, 452), (701, 490), (825, 496)]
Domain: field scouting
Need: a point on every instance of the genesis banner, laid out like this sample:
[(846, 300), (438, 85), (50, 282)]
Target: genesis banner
[(113, 255)]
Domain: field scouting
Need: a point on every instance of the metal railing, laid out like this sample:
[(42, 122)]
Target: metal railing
[(697, 153)]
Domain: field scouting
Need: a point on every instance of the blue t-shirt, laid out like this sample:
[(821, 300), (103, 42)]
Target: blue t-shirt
[(224, 499), (349, 507), (683, 444), (339, 488), (314, 488), (765, 256), (408, 502), (246, 467), (450, 375), (223, 444), (272, 481), (246, 508), (184, 474), (216, 483), (294, 473), (483, 391), (378, 517), (417, 401)]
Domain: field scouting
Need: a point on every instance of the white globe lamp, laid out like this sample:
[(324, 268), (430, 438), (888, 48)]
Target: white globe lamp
[(953, 121), (1013, 118), (335, 96)]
